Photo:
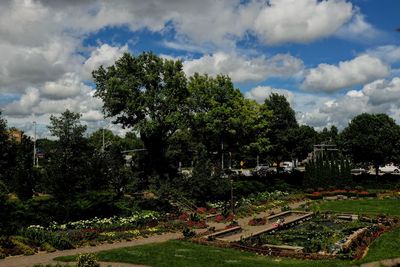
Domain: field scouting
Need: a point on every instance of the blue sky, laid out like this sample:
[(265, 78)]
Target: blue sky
[(332, 59)]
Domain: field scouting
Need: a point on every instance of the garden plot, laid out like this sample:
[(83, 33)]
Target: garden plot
[(268, 224), (323, 234)]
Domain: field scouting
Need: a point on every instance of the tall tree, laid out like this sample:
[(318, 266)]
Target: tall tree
[(147, 93), (372, 139), (23, 174), (221, 116), (283, 123), (68, 164), (5, 149)]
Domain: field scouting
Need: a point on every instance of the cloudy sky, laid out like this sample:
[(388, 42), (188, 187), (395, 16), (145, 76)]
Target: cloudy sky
[(333, 59)]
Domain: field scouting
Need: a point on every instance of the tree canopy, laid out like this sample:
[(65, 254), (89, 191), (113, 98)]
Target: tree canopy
[(372, 138), (149, 94)]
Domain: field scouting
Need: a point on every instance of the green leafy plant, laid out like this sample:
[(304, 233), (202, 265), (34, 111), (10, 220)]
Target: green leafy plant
[(87, 260)]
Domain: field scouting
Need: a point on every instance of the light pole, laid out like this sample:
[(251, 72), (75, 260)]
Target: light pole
[(34, 143)]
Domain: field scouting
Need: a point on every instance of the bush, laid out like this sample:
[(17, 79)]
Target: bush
[(87, 260), (2, 253), (187, 233), (21, 248), (47, 247)]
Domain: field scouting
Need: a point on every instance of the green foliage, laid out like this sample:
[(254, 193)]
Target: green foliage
[(222, 119), (187, 233), (376, 144), (283, 124), (68, 170), (149, 94), (325, 172), (23, 173), (40, 236), (87, 260)]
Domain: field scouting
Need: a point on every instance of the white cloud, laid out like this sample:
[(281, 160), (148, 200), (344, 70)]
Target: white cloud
[(380, 96), (104, 55), (330, 78), (301, 21), (243, 69), (25, 104), (358, 30), (69, 85), (387, 53), (260, 93)]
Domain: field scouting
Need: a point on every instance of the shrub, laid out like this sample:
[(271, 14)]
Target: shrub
[(187, 233), (87, 260), (47, 247), (21, 248), (2, 253)]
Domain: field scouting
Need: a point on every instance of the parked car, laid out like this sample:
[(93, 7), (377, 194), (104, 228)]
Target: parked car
[(263, 170), (389, 168), (358, 171)]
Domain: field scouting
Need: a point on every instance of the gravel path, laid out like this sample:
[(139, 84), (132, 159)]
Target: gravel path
[(47, 258)]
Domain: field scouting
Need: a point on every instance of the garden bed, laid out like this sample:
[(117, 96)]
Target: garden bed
[(323, 235)]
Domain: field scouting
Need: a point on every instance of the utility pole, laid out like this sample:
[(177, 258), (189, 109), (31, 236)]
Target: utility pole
[(102, 148), (34, 143)]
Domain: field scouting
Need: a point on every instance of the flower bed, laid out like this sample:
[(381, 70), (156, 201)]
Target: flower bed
[(349, 193)]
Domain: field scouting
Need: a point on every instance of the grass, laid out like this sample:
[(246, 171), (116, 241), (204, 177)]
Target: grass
[(387, 246), (389, 207), (182, 253)]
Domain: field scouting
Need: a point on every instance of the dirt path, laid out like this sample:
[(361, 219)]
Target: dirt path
[(47, 258)]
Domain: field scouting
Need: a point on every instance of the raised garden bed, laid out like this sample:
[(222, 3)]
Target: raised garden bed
[(323, 235)]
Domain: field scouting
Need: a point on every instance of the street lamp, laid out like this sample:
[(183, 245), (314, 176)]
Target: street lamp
[(34, 143)]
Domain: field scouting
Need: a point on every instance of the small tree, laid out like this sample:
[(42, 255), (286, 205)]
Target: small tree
[(68, 163)]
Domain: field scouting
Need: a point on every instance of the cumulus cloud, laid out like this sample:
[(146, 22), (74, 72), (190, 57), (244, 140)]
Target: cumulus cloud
[(104, 55), (243, 69), (330, 78), (380, 96), (260, 93), (302, 21), (387, 53), (358, 30)]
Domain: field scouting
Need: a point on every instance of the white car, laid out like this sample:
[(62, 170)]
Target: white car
[(389, 168)]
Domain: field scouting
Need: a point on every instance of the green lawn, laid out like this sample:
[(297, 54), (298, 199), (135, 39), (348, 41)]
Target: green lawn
[(182, 253), (364, 206), (387, 246)]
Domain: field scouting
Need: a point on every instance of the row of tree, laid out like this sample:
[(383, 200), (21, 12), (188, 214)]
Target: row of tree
[(199, 121)]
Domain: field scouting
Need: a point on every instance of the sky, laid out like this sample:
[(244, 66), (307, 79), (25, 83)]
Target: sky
[(332, 59)]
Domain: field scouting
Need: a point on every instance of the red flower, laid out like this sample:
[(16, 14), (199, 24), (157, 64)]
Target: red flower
[(201, 210), (219, 218), (230, 218), (316, 193), (184, 216)]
